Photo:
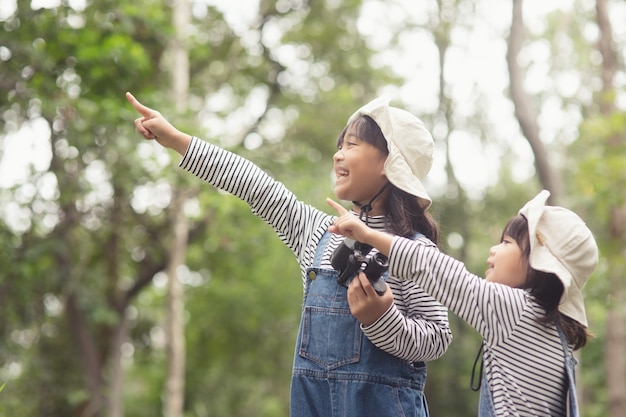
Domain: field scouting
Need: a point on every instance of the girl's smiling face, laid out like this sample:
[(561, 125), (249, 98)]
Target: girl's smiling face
[(359, 168), (507, 264)]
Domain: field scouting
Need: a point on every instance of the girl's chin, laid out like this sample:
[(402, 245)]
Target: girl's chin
[(340, 194), (344, 194)]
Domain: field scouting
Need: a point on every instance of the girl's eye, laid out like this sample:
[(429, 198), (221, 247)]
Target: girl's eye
[(345, 144)]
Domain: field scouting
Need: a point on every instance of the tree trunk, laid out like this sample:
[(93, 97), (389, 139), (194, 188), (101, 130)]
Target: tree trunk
[(180, 54), (175, 328), (455, 193), (89, 357), (525, 110), (116, 371), (615, 363)]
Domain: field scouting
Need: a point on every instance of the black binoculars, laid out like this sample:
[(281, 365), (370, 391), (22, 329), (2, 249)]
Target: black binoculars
[(350, 258)]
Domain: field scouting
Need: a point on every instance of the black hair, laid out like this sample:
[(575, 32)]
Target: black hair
[(406, 214), (545, 287)]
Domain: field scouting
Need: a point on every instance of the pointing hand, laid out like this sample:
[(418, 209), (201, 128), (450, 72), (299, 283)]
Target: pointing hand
[(152, 125)]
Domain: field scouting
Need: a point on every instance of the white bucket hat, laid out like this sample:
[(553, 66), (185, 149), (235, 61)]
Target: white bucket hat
[(562, 244), (410, 146)]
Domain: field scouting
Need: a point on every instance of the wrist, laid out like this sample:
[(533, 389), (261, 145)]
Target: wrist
[(372, 236), (369, 236), (179, 142), (380, 240)]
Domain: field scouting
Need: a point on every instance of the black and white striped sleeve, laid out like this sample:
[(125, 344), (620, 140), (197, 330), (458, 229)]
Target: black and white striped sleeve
[(295, 222), (415, 328), (492, 309)]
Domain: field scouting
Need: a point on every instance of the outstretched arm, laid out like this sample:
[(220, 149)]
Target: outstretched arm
[(152, 125)]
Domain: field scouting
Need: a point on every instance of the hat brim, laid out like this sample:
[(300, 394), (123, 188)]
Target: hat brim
[(541, 259), (572, 302), (397, 169)]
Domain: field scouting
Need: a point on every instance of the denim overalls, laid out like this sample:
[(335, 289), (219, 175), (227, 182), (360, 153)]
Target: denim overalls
[(337, 371), (485, 403)]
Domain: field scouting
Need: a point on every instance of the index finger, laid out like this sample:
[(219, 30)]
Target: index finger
[(145, 111), (340, 209)]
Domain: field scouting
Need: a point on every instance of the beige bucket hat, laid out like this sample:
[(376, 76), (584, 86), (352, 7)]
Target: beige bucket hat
[(562, 244), (410, 146)]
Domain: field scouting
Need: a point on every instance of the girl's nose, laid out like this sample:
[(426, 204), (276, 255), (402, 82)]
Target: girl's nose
[(338, 155), (492, 250)]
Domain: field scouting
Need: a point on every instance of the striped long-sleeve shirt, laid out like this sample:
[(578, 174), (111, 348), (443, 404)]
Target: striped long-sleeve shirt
[(415, 328), (523, 360)]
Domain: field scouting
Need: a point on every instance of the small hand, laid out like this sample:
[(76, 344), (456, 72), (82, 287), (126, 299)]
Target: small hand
[(152, 125), (352, 227), (347, 224), (365, 303), (147, 114)]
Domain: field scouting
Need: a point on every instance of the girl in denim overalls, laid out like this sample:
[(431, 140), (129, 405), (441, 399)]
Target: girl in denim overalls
[(529, 309), (358, 353)]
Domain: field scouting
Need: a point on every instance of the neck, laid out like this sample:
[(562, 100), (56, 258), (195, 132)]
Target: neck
[(375, 210), (369, 208)]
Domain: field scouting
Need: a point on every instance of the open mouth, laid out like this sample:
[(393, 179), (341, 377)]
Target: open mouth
[(341, 173)]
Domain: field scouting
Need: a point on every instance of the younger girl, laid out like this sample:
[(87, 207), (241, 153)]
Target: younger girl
[(529, 309), (357, 353)]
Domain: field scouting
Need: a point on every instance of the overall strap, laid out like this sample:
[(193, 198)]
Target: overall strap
[(319, 252), (570, 364), (566, 351), (317, 260)]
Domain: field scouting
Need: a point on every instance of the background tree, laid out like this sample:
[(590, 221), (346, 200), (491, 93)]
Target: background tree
[(525, 108), (608, 124), (174, 395)]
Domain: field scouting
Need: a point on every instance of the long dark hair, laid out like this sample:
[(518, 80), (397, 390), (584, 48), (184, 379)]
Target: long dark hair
[(545, 287), (406, 214)]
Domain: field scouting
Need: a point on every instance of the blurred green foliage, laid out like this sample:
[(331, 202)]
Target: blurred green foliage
[(87, 258)]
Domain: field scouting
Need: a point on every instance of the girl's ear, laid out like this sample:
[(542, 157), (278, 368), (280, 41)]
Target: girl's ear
[(383, 172)]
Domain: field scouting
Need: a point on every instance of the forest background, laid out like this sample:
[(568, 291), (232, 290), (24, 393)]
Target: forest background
[(130, 288)]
